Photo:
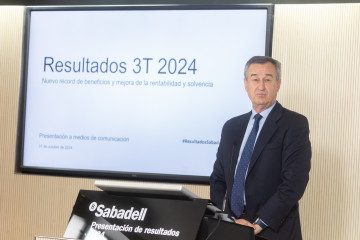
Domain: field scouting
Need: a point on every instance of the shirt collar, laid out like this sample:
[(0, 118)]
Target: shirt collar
[(265, 113)]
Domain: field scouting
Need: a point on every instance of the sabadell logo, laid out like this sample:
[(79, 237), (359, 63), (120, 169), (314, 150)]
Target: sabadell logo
[(106, 212)]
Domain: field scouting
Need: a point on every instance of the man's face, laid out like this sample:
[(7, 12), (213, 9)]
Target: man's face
[(261, 85)]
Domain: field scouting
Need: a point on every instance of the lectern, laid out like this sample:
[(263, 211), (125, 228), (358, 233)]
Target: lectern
[(148, 212)]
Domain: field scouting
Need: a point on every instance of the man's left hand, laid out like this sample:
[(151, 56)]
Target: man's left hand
[(257, 229)]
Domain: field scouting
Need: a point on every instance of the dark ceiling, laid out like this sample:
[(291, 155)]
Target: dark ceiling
[(137, 2)]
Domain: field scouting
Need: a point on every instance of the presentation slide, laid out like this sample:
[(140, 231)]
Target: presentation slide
[(138, 91)]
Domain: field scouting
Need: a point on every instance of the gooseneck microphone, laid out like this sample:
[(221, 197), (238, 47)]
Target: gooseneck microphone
[(223, 215), (229, 175)]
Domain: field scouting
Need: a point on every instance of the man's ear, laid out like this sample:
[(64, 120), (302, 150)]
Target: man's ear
[(245, 83), (279, 84)]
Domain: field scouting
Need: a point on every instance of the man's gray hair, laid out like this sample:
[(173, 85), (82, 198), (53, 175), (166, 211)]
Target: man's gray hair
[(263, 60)]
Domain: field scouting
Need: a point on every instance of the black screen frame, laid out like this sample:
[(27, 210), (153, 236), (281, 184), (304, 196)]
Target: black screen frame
[(123, 175)]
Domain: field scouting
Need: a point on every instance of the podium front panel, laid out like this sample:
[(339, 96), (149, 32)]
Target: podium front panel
[(215, 229), (104, 216)]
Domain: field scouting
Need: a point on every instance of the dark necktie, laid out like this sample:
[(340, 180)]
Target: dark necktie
[(237, 196)]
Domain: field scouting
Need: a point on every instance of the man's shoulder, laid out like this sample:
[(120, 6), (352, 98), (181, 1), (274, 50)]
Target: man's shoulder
[(289, 119), (238, 120), (288, 114)]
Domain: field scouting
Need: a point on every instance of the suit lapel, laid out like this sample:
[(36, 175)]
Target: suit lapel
[(267, 131)]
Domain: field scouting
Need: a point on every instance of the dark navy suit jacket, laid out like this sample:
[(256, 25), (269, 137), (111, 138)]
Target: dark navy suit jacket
[(277, 175)]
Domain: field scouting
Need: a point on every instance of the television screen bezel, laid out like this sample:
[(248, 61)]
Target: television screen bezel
[(123, 175)]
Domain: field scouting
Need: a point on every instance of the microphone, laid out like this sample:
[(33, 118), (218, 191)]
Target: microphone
[(230, 171), (223, 215)]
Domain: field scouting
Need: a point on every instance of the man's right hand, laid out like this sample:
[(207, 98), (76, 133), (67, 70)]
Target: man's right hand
[(245, 223)]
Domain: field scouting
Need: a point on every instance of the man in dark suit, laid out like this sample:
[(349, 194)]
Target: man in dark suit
[(260, 183)]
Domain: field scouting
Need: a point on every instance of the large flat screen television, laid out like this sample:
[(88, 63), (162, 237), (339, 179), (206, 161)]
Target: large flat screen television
[(134, 92)]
